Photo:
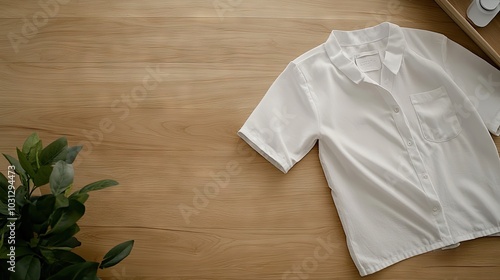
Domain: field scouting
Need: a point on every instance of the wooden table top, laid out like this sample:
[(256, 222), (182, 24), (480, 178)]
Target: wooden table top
[(213, 61)]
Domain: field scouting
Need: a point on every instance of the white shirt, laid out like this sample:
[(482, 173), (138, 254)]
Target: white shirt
[(401, 117)]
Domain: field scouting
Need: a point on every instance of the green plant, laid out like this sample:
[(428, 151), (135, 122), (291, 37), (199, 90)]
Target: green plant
[(43, 227)]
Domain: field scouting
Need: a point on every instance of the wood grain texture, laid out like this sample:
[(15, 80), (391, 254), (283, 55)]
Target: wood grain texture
[(213, 62), (486, 37)]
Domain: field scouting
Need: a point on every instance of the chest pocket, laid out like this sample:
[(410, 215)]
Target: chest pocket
[(436, 115)]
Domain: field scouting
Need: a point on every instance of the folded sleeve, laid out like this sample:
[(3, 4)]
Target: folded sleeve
[(479, 80), (284, 126)]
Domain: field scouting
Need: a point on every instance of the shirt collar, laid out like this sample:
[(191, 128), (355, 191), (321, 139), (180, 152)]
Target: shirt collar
[(393, 53)]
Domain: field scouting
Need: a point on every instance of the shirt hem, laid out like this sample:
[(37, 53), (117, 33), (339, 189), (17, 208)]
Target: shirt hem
[(372, 269), (495, 125)]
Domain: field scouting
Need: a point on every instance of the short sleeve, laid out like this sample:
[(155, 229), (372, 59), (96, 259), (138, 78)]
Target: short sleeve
[(478, 79), (284, 126)]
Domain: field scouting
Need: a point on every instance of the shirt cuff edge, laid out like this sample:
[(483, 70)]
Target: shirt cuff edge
[(264, 150)]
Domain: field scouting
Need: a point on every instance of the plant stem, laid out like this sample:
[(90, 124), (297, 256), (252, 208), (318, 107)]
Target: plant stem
[(28, 183), (34, 188)]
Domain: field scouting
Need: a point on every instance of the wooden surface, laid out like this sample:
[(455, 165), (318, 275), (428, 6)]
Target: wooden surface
[(213, 60), (486, 37)]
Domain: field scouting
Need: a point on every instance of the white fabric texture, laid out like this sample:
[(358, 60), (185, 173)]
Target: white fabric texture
[(401, 117)]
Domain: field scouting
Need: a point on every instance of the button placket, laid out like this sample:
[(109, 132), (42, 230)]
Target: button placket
[(418, 164), (386, 78)]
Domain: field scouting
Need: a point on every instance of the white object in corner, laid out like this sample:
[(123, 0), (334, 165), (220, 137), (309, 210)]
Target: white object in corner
[(481, 12)]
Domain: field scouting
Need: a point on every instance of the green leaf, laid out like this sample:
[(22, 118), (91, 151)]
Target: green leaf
[(99, 185), (61, 256), (34, 154), (80, 197), (69, 257), (68, 190), (63, 259), (53, 150), (61, 201), (27, 268), (30, 142), (4, 182), (25, 163), (72, 153), (70, 243), (34, 242), (61, 177), (25, 231), (40, 213), (19, 169), (4, 208), (61, 239), (31, 148), (40, 228), (42, 176), (78, 271), (49, 256), (65, 218), (21, 251), (117, 254), (62, 155), (4, 194), (37, 217), (42, 208), (54, 217), (21, 194), (4, 188), (3, 246)]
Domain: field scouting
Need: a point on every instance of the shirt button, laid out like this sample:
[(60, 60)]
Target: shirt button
[(396, 110), (426, 177), (435, 210), (409, 143)]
